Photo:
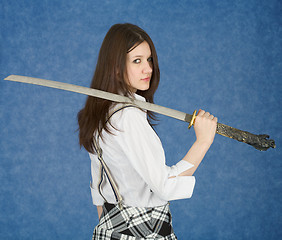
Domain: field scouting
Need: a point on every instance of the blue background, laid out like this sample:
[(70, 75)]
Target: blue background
[(221, 56)]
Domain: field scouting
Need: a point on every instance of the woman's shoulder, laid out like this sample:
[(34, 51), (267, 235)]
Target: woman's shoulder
[(127, 108), (126, 116), (121, 111)]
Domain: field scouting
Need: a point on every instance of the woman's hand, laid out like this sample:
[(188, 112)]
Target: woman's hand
[(205, 127)]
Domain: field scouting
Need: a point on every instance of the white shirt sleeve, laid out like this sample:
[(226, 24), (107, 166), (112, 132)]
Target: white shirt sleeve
[(97, 199), (146, 155)]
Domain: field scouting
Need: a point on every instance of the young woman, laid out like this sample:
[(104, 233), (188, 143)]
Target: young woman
[(131, 183)]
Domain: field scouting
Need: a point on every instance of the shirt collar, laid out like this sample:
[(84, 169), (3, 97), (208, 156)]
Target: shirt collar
[(138, 97)]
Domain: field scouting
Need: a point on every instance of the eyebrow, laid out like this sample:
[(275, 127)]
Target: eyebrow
[(140, 56)]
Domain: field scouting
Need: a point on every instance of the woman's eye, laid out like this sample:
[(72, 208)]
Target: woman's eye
[(137, 60), (150, 59)]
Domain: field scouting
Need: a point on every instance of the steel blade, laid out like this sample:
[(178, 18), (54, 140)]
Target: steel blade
[(102, 94)]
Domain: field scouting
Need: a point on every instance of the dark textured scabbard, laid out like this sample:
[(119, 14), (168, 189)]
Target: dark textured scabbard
[(260, 142)]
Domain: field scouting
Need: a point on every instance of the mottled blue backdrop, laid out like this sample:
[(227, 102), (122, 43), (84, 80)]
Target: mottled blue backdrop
[(222, 56)]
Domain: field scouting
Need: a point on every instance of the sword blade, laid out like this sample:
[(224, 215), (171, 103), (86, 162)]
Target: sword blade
[(260, 142), (104, 95)]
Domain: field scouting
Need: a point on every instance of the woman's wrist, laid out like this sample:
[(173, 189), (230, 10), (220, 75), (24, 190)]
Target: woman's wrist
[(203, 144), (195, 155)]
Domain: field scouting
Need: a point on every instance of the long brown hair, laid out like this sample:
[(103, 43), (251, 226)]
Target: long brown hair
[(109, 76)]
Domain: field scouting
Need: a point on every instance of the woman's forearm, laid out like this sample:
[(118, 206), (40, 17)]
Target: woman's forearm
[(195, 155)]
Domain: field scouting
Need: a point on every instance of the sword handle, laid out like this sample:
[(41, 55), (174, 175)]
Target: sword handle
[(260, 142)]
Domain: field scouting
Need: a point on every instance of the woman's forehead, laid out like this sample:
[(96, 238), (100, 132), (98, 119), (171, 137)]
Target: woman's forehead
[(141, 50)]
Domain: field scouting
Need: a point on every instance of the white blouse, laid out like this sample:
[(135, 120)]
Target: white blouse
[(136, 159)]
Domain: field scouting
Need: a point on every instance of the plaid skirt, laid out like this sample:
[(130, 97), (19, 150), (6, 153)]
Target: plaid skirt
[(131, 223)]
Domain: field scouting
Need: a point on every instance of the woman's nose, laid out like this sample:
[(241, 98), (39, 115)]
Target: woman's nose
[(147, 68)]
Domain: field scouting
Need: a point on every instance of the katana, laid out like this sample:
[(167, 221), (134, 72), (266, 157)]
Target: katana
[(260, 142)]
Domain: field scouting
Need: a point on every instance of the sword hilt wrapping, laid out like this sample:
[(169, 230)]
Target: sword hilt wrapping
[(260, 142)]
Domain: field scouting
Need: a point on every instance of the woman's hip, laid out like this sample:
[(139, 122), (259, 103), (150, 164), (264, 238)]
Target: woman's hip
[(134, 223)]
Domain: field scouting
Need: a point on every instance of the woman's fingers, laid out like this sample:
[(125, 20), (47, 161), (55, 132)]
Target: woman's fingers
[(205, 126), (211, 117), (201, 112), (205, 114)]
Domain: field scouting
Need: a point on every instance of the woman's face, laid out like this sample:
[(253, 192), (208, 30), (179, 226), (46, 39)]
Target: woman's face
[(139, 67)]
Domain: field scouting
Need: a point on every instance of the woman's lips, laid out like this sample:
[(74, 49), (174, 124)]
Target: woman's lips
[(146, 79)]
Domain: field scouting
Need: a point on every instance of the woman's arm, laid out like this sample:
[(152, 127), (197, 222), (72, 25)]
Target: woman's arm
[(99, 210), (144, 152), (205, 129)]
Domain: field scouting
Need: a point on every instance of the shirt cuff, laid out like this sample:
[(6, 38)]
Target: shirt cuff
[(180, 167), (180, 187)]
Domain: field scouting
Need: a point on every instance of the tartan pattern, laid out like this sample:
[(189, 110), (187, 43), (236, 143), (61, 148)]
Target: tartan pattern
[(132, 223)]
